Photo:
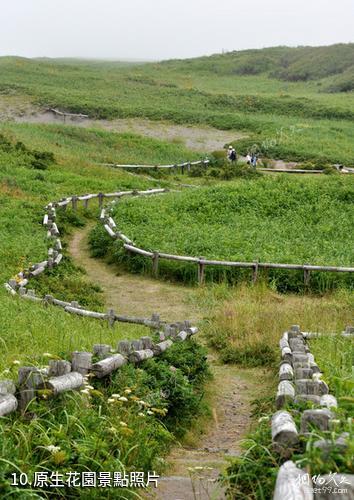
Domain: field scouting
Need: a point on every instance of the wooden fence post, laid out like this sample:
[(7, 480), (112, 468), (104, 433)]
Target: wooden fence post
[(28, 379), (102, 350), (74, 202), (81, 362), (306, 278), (201, 274), (111, 317), (58, 368), (155, 264), (255, 273)]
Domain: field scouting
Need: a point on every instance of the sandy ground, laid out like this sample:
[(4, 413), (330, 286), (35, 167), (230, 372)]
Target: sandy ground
[(230, 392), (131, 294), (202, 139)]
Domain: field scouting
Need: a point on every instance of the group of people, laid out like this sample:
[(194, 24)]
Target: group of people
[(251, 158)]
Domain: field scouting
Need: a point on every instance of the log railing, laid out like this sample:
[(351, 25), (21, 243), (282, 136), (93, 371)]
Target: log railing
[(111, 228), (300, 381), (65, 114), (64, 375), (184, 167)]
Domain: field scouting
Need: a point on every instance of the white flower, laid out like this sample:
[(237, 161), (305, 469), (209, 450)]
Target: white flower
[(85, 391), (16, 362), (47, 355), (111, 400), (123, 424), (123, 398), (116, 396), (149, 412), (90, 387), (128, 391), (263, 419), (141, 414), (52, 448)]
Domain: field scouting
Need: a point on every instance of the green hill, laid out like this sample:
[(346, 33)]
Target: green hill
[(267, 94), (283, 63)]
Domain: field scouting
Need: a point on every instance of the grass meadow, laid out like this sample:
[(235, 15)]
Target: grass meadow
[(209, 91), (130, 421), (269, 219)]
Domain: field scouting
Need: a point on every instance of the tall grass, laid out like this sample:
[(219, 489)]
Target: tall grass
[(197, 92), (28, 330), (248, 322), (280, 220)]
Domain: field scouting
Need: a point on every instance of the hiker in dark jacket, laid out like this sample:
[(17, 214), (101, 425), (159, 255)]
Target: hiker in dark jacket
[(232, 155)]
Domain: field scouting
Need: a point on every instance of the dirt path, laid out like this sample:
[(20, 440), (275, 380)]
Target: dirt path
[(195, 465), (193, 470), (131, 294)]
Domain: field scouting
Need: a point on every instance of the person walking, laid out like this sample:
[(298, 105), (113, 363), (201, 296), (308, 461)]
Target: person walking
[(233, 155), (229, 153), (254, 160)]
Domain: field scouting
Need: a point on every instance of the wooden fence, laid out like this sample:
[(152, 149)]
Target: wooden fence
[(178, 330), (65, 375), (184, 167), (64, 114), (201, 263), (300, 381)]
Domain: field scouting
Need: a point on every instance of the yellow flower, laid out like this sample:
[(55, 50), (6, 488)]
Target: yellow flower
[(159, 411), (127, 431), (59, 457)]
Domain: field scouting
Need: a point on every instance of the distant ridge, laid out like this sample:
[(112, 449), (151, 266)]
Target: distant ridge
[(292, 64)]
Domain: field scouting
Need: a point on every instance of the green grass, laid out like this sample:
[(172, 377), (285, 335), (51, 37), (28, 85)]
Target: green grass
[(247, 322), (253, 474), (124, 424), (285, 220), (88, 432), (213, 91), (312, 218), (27, 329)]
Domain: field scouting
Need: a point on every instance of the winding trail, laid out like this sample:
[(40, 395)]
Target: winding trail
[(130, 294), (209, 443)]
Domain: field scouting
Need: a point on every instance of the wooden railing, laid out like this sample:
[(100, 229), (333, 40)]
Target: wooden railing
[(300, 381), (186, 166), (64, 375), (111, 228)]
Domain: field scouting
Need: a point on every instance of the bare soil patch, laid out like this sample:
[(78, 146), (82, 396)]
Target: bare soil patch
[(200, 139), (130, 294)]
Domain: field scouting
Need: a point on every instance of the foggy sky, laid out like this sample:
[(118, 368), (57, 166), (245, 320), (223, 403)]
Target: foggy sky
[(162, 29)]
